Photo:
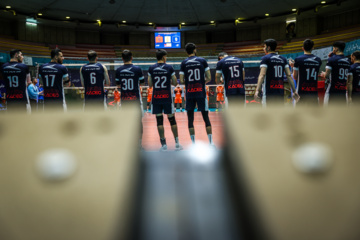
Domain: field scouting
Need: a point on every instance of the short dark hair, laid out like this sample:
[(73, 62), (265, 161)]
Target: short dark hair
[(222, 54), (308, 45), (126, 55), (55, 52), (356, 54), (160, 53), (13, 52), (190, 47), (33, 79), (340, 45), (92, 55), (271, 43)]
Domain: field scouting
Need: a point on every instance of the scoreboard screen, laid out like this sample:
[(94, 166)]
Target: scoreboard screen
[(167, 40)]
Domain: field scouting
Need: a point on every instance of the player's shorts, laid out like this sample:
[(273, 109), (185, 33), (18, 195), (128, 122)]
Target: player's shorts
[(178, 100), (220, 98), (117, 100), (167, 108), (149, 100), (202, 104)]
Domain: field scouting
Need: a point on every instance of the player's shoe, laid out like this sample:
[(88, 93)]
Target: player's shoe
[(178, 147), (163, 148)]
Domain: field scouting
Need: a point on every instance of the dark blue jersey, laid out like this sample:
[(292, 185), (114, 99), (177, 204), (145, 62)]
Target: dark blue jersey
[(274, 78), (232, 69), (129, 77), (94, 77), (308, 71), (52, 75), (339, 66), (355, 72), (193, 69), (14, 75), (161, 74)]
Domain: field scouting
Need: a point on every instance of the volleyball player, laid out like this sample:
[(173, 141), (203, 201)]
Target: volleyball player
[(306, 71), (233, 72), (54, 76), (178, 97), (16, 76), (161, 77), (149, 97), (93, 77), (353, 82), (195, 73), (128, 79), (337, 69), (272, 68), (219, 96)]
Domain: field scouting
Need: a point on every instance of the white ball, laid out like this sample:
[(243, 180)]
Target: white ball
[(56, 164)]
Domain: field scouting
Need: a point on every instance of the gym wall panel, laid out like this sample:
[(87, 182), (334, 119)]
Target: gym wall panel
[(21, 31), (139, 38), (197, 37), (88, 37), (223, 36), (276, 31), (7, 28), (248, 34), (112, 38), (41, 35)]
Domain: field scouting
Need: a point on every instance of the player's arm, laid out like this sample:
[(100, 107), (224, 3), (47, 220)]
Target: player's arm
[(349, 87), (207, 76), (150, 82), (260, 81), (218, 77), (28, 79), (106, 76), (66, 79), (81, 78), (291, 82), (182, 78), (174, 80), (244, 74)]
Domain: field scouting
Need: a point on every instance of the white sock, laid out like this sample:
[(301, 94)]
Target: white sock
[(177, 140), (192, 138), (210, 138)]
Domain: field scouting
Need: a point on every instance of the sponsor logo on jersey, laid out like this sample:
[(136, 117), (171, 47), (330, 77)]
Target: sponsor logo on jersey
[(236, 85), (127, 70), (14, 96), (192, 61), (277, 84), (313, 59), (344, 60), (309, 89), (52, 95), (93, 93), (12, 67), (160, 69), (50, 67), (161, 96), (278, 57), (231, 59), (190, 90)]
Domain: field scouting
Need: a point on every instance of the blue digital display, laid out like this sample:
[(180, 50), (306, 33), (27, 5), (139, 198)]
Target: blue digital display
[(167, 40)]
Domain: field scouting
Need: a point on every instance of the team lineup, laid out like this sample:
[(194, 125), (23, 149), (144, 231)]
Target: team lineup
[(302, 74)]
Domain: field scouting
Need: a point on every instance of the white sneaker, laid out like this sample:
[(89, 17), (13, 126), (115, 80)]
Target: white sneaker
[(178, 147), (163, 148)]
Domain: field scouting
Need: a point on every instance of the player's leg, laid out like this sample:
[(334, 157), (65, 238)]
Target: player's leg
[(204, 108), (174, 130), (190, 106)]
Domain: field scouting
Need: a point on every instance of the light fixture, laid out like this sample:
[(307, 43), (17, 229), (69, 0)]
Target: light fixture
[(150, 23), (182, 23), (99, 22), (212, 22), (294, 9), (323, 2), (8, 7), (266, 14), (124, 21), (39, 14), (67, 17)]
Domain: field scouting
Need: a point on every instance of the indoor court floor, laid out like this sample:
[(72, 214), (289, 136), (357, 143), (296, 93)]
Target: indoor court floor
[(151, 140)]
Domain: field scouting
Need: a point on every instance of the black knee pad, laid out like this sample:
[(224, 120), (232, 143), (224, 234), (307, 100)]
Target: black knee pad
[(205, 115), (172, 120), (160, 120), (190, 115)]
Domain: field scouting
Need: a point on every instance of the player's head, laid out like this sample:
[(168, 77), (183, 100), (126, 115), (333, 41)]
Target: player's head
[(57, 56), (270, 45), (355, 56), (16, 54), (222, 55), (308, 45), (338, 46), (190, 48), (92, 56), (34, 80), (161, 55), (126, 55)]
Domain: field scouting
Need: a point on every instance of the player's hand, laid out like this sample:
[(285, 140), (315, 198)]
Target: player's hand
[(322, 74), (331, 54), (296, 97), (291, 63), (256, 95)]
